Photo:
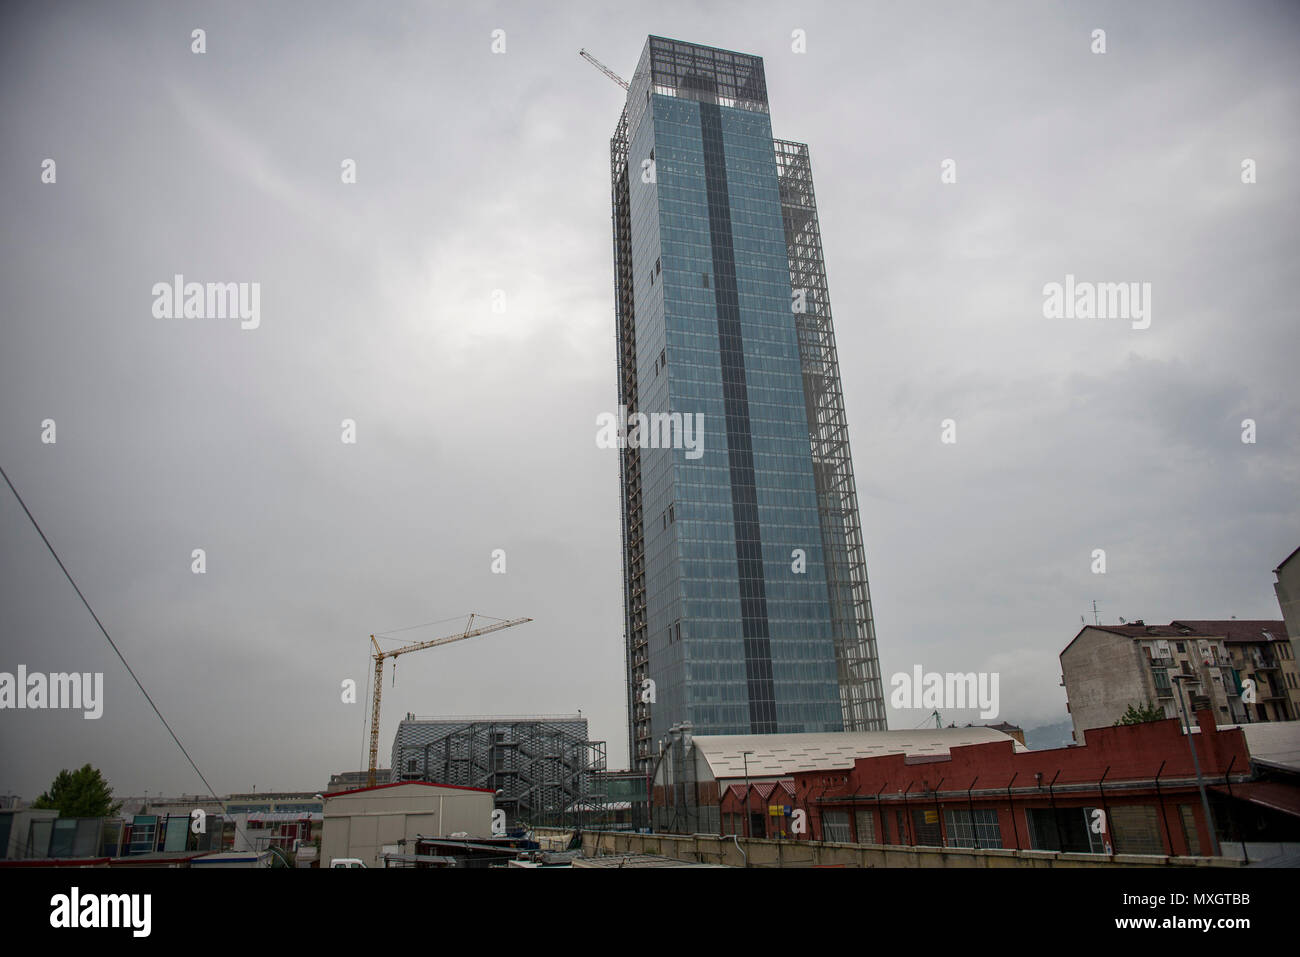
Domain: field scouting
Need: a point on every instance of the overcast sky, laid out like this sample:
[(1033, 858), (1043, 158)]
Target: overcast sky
[(476, 429)]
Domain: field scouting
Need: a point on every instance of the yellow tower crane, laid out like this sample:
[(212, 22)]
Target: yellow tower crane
[(603, 69), (380, 656)]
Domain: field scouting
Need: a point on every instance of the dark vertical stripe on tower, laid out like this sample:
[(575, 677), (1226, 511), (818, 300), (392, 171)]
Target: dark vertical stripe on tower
[(740, 450)]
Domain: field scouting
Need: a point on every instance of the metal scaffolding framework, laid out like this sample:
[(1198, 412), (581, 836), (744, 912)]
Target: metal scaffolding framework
[(707, 74), (861, 695), (636, 636), (543, 765)]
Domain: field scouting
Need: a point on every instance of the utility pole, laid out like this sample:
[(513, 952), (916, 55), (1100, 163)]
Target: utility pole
[(745, 755), (1200, 782)]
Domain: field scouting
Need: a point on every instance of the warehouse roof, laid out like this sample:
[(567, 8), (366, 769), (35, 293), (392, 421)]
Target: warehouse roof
[(782, 754)]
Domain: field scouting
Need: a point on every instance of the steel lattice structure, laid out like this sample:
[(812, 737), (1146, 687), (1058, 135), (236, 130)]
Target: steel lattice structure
[(861, 694), (542, 765), (636, 637)]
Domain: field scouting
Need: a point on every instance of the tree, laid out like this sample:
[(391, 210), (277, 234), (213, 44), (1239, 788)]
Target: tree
[(1141, 715), (80, 793)]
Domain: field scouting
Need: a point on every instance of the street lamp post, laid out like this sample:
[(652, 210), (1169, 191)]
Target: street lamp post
[(1196, 764), (745, 755)]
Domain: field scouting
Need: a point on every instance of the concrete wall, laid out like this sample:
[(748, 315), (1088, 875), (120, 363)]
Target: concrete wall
[(711, 849), (1104, 673), (1287, 588), (361, 823)]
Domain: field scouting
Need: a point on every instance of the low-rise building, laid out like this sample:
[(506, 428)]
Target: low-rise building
[(1287, 588), (1264, 670), (1131, 789), (275, 802), (368, 822), (351, 780), (1241, 671), (741, 784)]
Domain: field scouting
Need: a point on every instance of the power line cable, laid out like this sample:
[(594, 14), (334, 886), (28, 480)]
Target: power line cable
[(118, 651)]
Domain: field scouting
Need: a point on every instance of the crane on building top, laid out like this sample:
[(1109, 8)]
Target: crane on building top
[(380, 656), (602, 68)]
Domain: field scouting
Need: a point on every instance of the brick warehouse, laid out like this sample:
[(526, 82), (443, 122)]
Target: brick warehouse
[(1140, 777)]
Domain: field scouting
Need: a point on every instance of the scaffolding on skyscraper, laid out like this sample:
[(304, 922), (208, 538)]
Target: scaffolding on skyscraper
[(861, 694)]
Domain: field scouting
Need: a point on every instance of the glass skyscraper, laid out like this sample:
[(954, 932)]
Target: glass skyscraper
[(745, 585)]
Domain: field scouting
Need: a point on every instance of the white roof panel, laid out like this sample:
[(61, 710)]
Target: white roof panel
[(782, 754), (1273, 742)]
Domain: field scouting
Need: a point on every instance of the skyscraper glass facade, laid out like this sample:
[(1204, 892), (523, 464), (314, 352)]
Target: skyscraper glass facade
[(730, 617)]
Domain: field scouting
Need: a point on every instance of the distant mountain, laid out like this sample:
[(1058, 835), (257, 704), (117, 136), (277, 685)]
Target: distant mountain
[(1057, 735)]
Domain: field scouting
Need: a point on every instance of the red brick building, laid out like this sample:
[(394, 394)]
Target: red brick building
[(1129, 789)]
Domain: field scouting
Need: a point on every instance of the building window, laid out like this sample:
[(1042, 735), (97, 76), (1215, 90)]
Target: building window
[(864, 823), (1161, 677), (704, 279), (1136, 829), (1063, 829), (985, 832), (835, 827)]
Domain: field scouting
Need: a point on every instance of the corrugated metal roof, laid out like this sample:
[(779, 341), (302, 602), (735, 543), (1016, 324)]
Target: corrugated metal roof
[(1270, 794), (777, 755)]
